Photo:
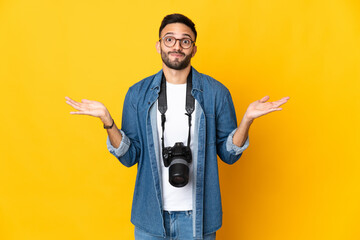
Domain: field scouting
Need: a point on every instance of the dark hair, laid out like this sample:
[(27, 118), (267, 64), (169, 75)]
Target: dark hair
[(177, 18)]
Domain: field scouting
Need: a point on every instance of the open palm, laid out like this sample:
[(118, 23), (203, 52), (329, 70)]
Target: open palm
[(261, 107), (87, 107)]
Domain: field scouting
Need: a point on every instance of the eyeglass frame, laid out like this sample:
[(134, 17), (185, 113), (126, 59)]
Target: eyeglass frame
[(179, 39)]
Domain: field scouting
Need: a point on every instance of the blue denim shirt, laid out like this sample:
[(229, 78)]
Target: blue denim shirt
[(215, 125)]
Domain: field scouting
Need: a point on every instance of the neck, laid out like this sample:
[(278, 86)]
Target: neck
[(176, 76)]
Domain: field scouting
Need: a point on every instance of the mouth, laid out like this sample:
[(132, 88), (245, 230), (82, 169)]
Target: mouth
[(177, 55)]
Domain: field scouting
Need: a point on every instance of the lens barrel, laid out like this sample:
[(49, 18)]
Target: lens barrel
[(178, 158), (179, 174)]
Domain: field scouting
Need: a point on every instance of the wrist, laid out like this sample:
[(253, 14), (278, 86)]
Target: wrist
[(109, 126), (106, 119), (247, 119)]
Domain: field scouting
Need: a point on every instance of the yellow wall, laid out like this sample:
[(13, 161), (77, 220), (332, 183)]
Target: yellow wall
[(298, 180)]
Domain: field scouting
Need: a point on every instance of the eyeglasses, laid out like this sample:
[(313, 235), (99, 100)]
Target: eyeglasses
[(170, 41)]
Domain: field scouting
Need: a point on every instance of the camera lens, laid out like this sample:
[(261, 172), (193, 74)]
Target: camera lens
[(178, 174)]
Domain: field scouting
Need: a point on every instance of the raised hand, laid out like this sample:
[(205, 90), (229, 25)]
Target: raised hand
[(97, 109), (255, 110), (91, 108), (261, 107)]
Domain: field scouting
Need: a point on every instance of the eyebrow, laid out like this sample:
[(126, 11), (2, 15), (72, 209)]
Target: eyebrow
[(184, 34)]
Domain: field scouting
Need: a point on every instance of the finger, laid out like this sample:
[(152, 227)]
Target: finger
[(81, 113), (277, 104), (69, 99), (264, 99), (86, 101), (284, 99), (76, 113), (72, 102), (280, 102), (273, 110), (79, 104), (76, 106)]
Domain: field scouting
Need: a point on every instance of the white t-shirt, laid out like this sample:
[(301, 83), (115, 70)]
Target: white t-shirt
[(176, 130)]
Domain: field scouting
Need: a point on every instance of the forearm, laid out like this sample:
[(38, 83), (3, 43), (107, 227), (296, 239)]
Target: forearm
[(242, 131), (114, 133)]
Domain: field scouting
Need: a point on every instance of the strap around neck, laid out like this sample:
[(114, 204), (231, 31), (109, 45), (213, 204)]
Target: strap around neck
[(162, 104)]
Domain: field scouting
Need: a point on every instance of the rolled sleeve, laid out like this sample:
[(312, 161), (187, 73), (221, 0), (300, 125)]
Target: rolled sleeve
[(232, 148), (122, 149)]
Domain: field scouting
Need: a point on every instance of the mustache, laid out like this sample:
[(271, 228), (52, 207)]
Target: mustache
[(177, 52)]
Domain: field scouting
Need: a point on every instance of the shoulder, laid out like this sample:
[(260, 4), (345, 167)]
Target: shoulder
[(209, 84), (142, 84), (146, 85)]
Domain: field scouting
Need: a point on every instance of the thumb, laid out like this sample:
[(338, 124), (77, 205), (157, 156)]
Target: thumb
[(264, 99)]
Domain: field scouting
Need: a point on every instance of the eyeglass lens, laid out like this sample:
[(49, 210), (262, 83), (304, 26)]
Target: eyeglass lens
[(171, 41)]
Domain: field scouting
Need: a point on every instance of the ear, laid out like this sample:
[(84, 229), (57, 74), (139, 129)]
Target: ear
[(158, 47), (194, 51)]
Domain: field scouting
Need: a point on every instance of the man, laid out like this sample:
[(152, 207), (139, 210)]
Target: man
[(177, 193)]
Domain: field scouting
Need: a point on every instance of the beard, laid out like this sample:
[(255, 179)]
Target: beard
[(176, 64)]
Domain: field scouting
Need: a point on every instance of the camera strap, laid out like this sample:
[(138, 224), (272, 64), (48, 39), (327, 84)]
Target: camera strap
[(162, 105)]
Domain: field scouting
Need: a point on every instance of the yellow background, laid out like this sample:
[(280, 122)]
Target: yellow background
[(299, 179)]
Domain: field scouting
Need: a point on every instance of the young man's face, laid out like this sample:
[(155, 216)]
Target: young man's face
[(176, 57)]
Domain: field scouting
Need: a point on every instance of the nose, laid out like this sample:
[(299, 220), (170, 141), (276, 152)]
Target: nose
[(177, 44)]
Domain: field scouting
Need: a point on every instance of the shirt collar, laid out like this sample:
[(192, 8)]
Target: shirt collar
[(196, 81)]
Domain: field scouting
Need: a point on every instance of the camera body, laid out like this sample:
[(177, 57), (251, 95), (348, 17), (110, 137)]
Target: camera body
[(178, 158)]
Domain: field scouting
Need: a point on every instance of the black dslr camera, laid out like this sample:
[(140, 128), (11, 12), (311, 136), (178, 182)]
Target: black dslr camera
[(178, 158)]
